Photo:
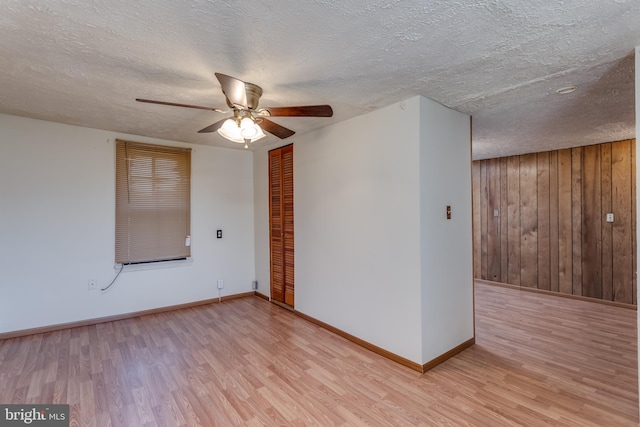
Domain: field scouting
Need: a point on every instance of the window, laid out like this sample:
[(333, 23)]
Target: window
[(152, 202)]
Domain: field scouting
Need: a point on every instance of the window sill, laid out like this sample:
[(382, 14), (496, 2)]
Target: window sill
[(155, 265)]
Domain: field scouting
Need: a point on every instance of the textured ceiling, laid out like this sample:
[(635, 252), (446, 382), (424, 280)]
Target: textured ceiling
[(83, 62)]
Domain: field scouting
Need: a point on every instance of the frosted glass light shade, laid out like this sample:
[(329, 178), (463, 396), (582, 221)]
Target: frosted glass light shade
[(248, 130)]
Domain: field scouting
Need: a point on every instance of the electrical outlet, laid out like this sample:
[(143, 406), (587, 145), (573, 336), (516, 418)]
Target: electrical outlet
[(254, 285), (93, 285), (609, 217), (220, 283)]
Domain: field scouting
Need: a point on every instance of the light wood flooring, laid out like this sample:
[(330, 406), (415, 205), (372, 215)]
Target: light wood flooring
[(539, 360)]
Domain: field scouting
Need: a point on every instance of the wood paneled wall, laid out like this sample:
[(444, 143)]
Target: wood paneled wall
[(540, 220)]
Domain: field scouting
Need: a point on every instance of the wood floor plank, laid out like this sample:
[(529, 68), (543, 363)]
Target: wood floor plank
[(538, 360)]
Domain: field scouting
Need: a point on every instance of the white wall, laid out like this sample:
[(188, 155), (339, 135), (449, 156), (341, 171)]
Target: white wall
[(356, 196), (261, 221), (446, 245), (360, 230), (57, 227)]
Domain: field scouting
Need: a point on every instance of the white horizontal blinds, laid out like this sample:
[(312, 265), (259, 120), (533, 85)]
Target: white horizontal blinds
[(152, 202)]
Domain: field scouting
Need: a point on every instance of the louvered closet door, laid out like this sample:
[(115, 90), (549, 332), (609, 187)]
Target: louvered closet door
[(287, 221), (281, 224)]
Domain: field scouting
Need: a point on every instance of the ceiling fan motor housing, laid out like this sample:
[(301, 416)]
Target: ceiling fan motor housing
[(253, 92)]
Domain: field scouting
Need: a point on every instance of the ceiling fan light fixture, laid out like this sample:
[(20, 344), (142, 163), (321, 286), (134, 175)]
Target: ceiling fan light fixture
[(247, 123), (246, 130), (231, 131), (250, 130)]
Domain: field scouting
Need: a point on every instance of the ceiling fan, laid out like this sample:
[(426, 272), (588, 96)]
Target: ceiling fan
[(248, 121)]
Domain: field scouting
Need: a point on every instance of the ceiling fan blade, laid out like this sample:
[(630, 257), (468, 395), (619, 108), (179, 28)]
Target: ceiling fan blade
[(233, 89), (214, 127), (302, 111), (274, 128), (174, 104)]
